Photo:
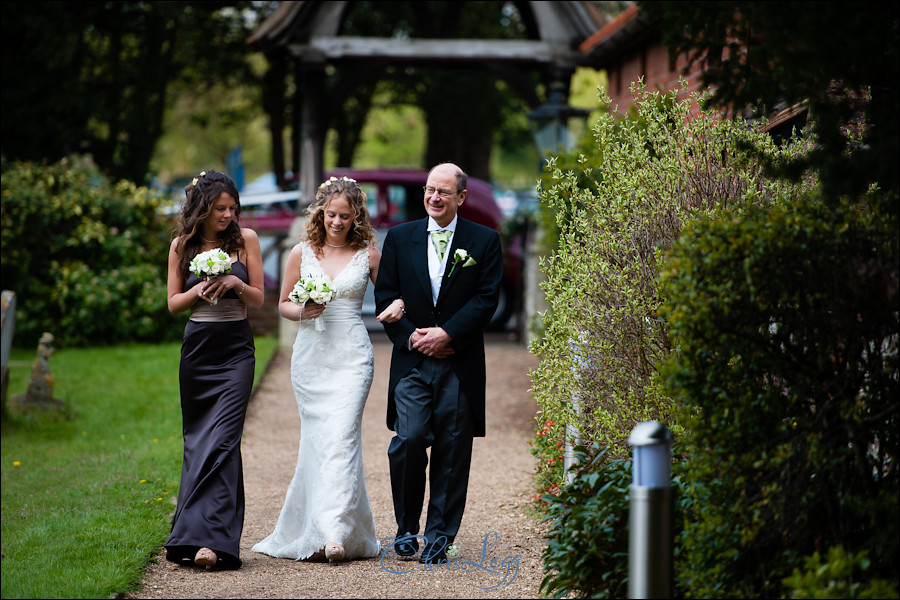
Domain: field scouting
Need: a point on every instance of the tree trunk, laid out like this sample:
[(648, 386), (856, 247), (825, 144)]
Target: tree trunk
[(274, 104), (460, 142)]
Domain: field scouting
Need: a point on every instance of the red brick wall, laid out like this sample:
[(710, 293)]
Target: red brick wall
[(659, 71)]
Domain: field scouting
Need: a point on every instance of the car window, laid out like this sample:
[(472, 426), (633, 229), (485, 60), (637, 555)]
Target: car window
[(397, 203), (406, 202), (371, 198)]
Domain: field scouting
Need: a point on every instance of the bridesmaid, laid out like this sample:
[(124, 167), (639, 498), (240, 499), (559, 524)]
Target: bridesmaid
[(216, 372)]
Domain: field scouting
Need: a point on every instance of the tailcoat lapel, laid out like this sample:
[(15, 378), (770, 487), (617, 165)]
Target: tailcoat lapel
[(460, 240), (419, 254)]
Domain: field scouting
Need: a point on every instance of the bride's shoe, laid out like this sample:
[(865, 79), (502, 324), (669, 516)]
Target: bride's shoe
[(206, 558), (334, 551)]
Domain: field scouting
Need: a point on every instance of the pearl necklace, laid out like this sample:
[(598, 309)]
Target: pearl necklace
[(334, 246), (209, 241)]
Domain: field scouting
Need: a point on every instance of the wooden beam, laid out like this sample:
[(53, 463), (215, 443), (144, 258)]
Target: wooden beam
[(329, 49)]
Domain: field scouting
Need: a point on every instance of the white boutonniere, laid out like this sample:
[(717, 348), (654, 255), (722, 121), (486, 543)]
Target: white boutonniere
[(461, 256)]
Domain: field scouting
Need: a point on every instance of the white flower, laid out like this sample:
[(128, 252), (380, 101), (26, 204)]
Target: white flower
[(321, 296), (333, 178), (211, 263), (461, 256), (299, 295), (319, 289)]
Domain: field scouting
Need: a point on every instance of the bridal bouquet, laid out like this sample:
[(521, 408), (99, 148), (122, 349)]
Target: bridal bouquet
[(211, 264), (319, 289)]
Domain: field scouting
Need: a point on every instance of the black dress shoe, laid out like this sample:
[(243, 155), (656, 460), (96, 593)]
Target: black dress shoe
[(435, 551), (406, 544)]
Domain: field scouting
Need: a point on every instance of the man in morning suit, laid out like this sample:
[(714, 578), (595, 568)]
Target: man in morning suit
[(437, 378)]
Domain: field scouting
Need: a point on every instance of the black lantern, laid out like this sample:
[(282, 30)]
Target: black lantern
[(551, 122)]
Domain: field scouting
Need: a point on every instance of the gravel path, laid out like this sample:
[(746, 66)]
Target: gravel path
[(500, 540)]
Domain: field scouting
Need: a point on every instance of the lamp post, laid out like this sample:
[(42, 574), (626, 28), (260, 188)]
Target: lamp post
[(550, 129), (551, 122)]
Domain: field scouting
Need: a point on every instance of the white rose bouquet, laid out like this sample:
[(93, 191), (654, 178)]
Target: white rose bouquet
[(319, 289), (211, 264)]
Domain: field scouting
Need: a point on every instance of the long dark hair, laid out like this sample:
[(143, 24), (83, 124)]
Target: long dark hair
[(200, 194)]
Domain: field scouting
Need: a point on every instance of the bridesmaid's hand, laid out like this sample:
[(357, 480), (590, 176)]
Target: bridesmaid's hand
[(394, 312), (216, 287), (204, 292)]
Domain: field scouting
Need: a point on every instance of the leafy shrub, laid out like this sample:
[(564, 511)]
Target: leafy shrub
[(616, 211), (588, 543), (837, 576), (587, 546), (786, 323), (548, 447), (86, 259)]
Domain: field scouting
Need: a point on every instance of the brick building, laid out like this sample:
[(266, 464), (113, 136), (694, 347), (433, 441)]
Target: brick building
[(630, 47)]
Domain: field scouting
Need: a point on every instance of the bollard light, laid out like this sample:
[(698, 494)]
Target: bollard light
[(650, 521), (652, 459)]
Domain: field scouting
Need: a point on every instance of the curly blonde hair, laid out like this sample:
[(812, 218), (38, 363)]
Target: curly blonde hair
[(361, 232)]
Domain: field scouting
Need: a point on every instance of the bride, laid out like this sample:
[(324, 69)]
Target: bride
[(326, 510)]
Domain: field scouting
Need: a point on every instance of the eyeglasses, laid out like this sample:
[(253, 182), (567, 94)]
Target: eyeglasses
[(444, 194)]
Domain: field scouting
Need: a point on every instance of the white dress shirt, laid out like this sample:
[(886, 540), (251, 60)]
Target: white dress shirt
[(436, 267)]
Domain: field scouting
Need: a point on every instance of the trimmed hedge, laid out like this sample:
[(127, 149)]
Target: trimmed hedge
[(786, 373)]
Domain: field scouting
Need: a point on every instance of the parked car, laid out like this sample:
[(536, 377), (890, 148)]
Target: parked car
[(394, 196)]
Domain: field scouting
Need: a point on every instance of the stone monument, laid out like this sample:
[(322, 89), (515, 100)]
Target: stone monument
[(40, 388)]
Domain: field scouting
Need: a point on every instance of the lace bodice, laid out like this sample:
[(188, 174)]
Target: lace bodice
[(351, 282)]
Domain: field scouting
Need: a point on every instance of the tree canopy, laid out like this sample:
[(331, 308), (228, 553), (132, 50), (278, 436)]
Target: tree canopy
[(92, 77)]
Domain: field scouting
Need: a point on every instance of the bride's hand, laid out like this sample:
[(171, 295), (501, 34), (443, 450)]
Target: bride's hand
[(394, 312), (311, 310)]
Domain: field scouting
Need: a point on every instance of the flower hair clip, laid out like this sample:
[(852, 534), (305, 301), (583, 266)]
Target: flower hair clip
[(196, 179), (332, 179)]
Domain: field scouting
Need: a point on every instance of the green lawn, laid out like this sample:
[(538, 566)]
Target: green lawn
[(86, 499)]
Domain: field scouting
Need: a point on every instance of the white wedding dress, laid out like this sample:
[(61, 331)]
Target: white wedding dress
[(331, 372)]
